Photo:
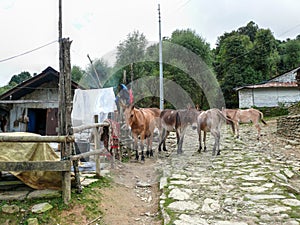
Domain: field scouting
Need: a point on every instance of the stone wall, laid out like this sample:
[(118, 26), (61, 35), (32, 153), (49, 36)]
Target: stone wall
[(289, 127)]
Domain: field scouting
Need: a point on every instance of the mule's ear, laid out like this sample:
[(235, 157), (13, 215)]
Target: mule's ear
[(131, 106)]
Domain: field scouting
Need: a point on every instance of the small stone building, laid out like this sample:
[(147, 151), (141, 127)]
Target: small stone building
[(35, 99), (282, 89)]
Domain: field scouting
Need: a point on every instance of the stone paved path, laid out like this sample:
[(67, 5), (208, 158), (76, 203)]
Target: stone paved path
[(250, 183)]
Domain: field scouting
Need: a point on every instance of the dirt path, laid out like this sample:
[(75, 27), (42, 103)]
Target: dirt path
[(133, 197)]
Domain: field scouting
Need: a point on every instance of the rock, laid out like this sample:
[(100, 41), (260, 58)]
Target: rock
[(44, 194), (32, 221), (292, 222), (10, 209), (183, 205), (143, 184), (88, 181), (230, 223), (291, 202), (288, 173), (281, 177), (190, 220), (253, 178), (210, 205), (13, 195), (163, 182), (178, 194), (263, 197), (42, 207)]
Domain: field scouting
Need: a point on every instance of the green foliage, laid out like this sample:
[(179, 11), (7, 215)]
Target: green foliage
[(132, 49), (246, 56), (281, 110), (289, 55), (77, 73), (96, 75), (17, 79), (194, 42)]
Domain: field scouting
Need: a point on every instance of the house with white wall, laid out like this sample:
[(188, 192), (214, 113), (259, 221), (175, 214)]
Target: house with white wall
[(279, 90)]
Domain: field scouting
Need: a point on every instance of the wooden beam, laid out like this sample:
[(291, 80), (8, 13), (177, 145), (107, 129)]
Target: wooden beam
[(4, 138), (85, 127), (36, 166), (86, 154)]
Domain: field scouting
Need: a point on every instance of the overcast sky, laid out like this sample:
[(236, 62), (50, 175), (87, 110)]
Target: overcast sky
[(97, 27)]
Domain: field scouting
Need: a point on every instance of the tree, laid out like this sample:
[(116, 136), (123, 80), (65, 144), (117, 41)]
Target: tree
[(250, 30), (98, 79), (194, 42), (77, 73), (234, 65), (132, 49), (17, 79), (265, 55), (246, 56), (291, 58)]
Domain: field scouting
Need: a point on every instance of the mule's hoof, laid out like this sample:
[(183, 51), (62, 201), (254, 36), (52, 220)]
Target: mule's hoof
[(143, 158)]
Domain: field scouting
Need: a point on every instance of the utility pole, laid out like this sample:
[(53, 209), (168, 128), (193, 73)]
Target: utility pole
[(161, 77)]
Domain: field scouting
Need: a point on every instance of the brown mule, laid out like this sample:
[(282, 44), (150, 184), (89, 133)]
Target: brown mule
[(245, 116), (142, 122)]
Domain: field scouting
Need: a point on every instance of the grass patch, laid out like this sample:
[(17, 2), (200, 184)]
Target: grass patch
[(89, 201)]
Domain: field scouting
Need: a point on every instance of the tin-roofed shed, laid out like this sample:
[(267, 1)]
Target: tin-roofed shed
[(282, 89)]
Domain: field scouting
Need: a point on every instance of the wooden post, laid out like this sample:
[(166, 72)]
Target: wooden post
[(65, 126), (97, 146)]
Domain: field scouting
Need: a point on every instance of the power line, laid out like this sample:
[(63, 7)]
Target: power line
[(27, 52)]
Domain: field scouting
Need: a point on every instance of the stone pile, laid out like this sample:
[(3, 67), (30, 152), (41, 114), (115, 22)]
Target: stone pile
[(289, 127)]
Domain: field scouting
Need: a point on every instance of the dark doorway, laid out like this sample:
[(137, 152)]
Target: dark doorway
[(37, 121), (43, 121)]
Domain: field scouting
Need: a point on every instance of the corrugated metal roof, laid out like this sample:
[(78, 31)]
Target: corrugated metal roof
[(269, 85)]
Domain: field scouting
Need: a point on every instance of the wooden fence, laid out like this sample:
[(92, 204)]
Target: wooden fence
[(64, 165)]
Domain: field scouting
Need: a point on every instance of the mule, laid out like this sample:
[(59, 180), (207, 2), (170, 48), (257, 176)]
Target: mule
[(176, 120), (211, 121), (142, 122), (245, 116)]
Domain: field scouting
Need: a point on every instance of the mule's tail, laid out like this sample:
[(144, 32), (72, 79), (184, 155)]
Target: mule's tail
[(228, 120), (262, 118)]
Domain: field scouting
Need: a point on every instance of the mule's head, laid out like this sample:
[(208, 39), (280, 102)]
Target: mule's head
[(129, 115)]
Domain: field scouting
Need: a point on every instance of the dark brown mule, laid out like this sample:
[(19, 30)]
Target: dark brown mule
[(142, 122), (211, 121), (245, 116), (177, 120)]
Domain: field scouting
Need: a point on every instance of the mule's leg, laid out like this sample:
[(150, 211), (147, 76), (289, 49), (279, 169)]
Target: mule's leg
[(237, 127), (180, 141), (218, 142), (216, 134), (164, 136), (200, 141), (258, 130), (135, 146), (164, 144), (204, 140), (150, 146), (148, 143), (142, 148)]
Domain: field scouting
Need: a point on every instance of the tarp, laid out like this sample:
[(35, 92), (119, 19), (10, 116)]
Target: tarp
[(87, 103), (28, 151)]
